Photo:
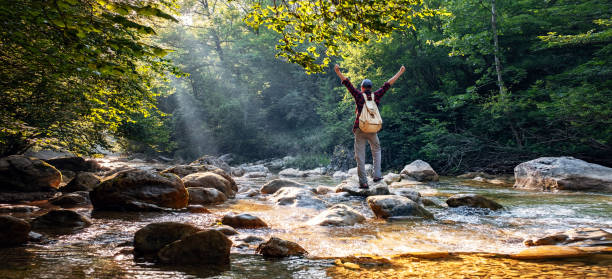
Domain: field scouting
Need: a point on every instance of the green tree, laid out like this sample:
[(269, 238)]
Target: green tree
[(74, 70)]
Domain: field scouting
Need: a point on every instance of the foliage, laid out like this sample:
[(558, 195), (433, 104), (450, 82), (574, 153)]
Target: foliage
[(74, 70), (304, 24)]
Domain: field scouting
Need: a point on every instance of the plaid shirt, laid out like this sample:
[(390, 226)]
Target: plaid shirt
[(359, 101)]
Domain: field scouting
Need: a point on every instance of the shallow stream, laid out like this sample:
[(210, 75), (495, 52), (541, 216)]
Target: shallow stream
[(103, 250)]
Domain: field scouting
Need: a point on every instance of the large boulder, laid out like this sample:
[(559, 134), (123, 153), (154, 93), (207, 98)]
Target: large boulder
[(278, 248), (83, 181), (13, 231), (351, 187), (153, 237), (274, 185), (243, 221), (60, 221), (387, 206), (135, 190), (420, 171), (337, 215), (291, 172), (297, 197), (210, 180), (201, 195), (184, 170), (575, 237), (204, 247), (562, 173), (75, 164), (18, 208), (254, 168), (23, 174), (472, 200)]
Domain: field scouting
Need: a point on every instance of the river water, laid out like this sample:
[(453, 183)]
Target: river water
[(103, 250)]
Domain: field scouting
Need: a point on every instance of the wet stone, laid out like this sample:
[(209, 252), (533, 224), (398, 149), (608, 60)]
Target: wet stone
[(243, 221), (278, 248), (352, 187), (227, 230), (337, 215), (154, 236), (60, 221), (18, 208), (274, 185), (472, 200), (387, 206), (13, 231), (203, 247)]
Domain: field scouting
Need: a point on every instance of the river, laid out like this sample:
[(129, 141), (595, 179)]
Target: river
[(474, 238)]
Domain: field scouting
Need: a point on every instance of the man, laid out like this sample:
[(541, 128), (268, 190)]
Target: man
[(360, 136)]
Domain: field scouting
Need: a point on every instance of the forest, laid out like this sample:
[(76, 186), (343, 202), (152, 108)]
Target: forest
[(488, 84)]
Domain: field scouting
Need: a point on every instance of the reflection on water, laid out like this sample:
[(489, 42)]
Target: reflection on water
[(102, 250)]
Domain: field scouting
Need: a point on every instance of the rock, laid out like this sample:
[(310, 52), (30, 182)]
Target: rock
[(274, 185), (432, 202), (340, 175), (413, 195), (352, 187), (204, 247), (563, 173), (75, 164), (23, 174), (255, 174), (291, 172), (83, 181), (13, 231), (297, 197), (472, 200), (201, 195), (67, 176), (276, 164), (69, 200), (420, 171), (578, 236), (226, 230), (386, 206), (252, 193), (549, 252), (184, 170), (243, 221), (196, 208), (337, 215), (137, 190), (255, 168), (369, 169), (18, 208), (391, 177), (322, 190), (315, 172), (60, 221), (153, 237), (406, 183), (278, 248), (237, 172), (211, 160), (210, 180)]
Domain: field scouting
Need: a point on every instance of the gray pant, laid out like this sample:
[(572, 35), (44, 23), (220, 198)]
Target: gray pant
[(360, 148)]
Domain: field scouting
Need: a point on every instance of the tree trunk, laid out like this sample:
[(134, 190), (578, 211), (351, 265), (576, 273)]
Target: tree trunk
[(500, 81)]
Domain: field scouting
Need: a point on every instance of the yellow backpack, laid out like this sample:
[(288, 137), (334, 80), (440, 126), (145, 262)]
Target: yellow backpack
[(370, 120)]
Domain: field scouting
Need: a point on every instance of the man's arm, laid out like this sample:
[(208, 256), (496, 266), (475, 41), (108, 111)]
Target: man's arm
[(340, 75), (396, 76)]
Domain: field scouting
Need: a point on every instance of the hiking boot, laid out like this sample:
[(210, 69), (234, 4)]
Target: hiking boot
[(376, 179), (363, 185)]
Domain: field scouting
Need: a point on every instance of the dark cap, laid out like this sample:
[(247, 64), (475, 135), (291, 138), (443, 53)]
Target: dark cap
[(366, 83)]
